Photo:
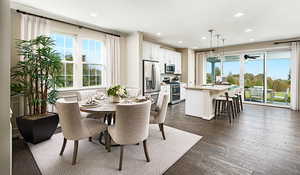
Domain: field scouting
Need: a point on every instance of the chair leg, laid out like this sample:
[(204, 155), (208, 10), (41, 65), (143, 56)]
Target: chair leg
[(63, 147), (75, 152), (162, 130), (108, 142), (238, 105), (241, 102), (228, 112), (159, 127), (121, 157), (216, 108), (232, 110), (146, 150), (90, 139)]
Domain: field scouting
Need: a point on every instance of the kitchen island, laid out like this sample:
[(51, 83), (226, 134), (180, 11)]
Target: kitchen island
[(199, 100)]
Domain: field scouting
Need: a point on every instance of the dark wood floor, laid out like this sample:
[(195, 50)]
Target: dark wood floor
[(263, 140)]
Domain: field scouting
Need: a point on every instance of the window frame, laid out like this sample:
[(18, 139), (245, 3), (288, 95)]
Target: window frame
[(77, 61)]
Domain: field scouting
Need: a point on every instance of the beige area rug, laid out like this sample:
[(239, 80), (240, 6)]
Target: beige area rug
[(93, 159)]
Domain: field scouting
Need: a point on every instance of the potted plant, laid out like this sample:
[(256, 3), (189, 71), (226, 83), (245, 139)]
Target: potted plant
[(116, 93), (35, 79)]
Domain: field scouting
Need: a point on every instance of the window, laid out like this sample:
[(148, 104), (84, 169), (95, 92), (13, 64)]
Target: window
[(64, 45), (92, 63), (82, 61), (231, 69), (213, 69)]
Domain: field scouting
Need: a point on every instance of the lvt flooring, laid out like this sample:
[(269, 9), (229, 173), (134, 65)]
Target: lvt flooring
[(262, 140)]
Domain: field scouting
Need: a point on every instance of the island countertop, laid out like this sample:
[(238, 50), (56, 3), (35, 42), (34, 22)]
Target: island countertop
[(210, 87)]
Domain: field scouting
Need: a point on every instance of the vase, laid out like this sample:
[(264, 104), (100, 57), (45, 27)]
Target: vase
[(115, 99)]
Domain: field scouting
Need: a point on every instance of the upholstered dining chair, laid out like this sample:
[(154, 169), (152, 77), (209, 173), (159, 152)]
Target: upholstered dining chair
[(158, 116), (76, 128), (131, 127)]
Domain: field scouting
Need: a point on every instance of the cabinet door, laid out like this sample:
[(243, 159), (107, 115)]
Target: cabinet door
[(161, 60), (178, 63), (147, 48), (155, 52), (182, 91)]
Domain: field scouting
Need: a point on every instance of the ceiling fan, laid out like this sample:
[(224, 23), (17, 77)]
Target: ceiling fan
[(250, 57)]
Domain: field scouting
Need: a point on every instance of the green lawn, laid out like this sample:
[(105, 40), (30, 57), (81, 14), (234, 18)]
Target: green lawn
[(279, 97)]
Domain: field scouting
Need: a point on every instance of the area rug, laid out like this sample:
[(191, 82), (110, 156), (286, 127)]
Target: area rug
[(93, 159)]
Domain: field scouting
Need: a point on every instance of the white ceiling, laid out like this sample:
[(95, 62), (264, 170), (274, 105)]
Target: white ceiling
[(185, 20)]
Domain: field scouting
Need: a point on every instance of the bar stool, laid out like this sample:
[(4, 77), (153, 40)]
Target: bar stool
[(240, 100), (225, 105)]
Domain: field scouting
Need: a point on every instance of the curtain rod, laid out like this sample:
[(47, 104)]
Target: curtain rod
[(26, 13), (285, 42)]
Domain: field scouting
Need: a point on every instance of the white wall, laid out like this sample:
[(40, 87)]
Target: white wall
[(191, 67), (134, 60), (5, 128)]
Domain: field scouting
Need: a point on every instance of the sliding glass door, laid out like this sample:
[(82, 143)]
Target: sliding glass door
[(265, 76), (231, 69), (278, 76), (254, 84)]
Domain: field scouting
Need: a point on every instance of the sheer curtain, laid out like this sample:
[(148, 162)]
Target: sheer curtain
[(112, 60), (32, 26), (295, 75)]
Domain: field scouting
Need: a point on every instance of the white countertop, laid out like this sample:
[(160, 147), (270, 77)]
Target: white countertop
[(210, 87)]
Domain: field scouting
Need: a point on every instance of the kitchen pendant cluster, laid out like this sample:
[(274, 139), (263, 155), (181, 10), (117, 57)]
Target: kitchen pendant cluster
[(218, 52)]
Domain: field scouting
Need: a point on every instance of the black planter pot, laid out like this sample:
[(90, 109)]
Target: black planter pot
[(37, 130)]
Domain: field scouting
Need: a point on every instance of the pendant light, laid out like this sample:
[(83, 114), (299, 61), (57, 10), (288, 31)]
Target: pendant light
[(223, 50), (218, 36), (210, 54)]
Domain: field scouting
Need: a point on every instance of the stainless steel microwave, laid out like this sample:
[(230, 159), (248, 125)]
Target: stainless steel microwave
[(169, 68)]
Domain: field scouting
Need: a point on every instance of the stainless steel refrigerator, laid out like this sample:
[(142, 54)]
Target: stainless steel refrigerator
[(151, 78)]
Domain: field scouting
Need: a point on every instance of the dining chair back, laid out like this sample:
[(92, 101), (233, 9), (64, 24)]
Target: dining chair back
[(131, 126), (162, 104), (69, 119), (132, 123), (74, 127)]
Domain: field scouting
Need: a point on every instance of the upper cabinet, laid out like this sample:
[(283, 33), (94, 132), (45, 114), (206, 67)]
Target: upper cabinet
[(153, 51)]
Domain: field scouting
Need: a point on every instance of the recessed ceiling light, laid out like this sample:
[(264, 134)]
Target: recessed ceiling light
[(252, 39), (248, 30), (93, 14), (158, 34), (203, 37), (239, 14), (180, 42)]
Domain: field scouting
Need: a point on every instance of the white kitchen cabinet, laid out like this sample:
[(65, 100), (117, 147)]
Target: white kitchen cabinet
[(162, 60), (166, 89), (153, 51), (177, 63), (182, 91), (147, 49)]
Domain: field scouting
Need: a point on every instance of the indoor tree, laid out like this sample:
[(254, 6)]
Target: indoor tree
[(35, 77)]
